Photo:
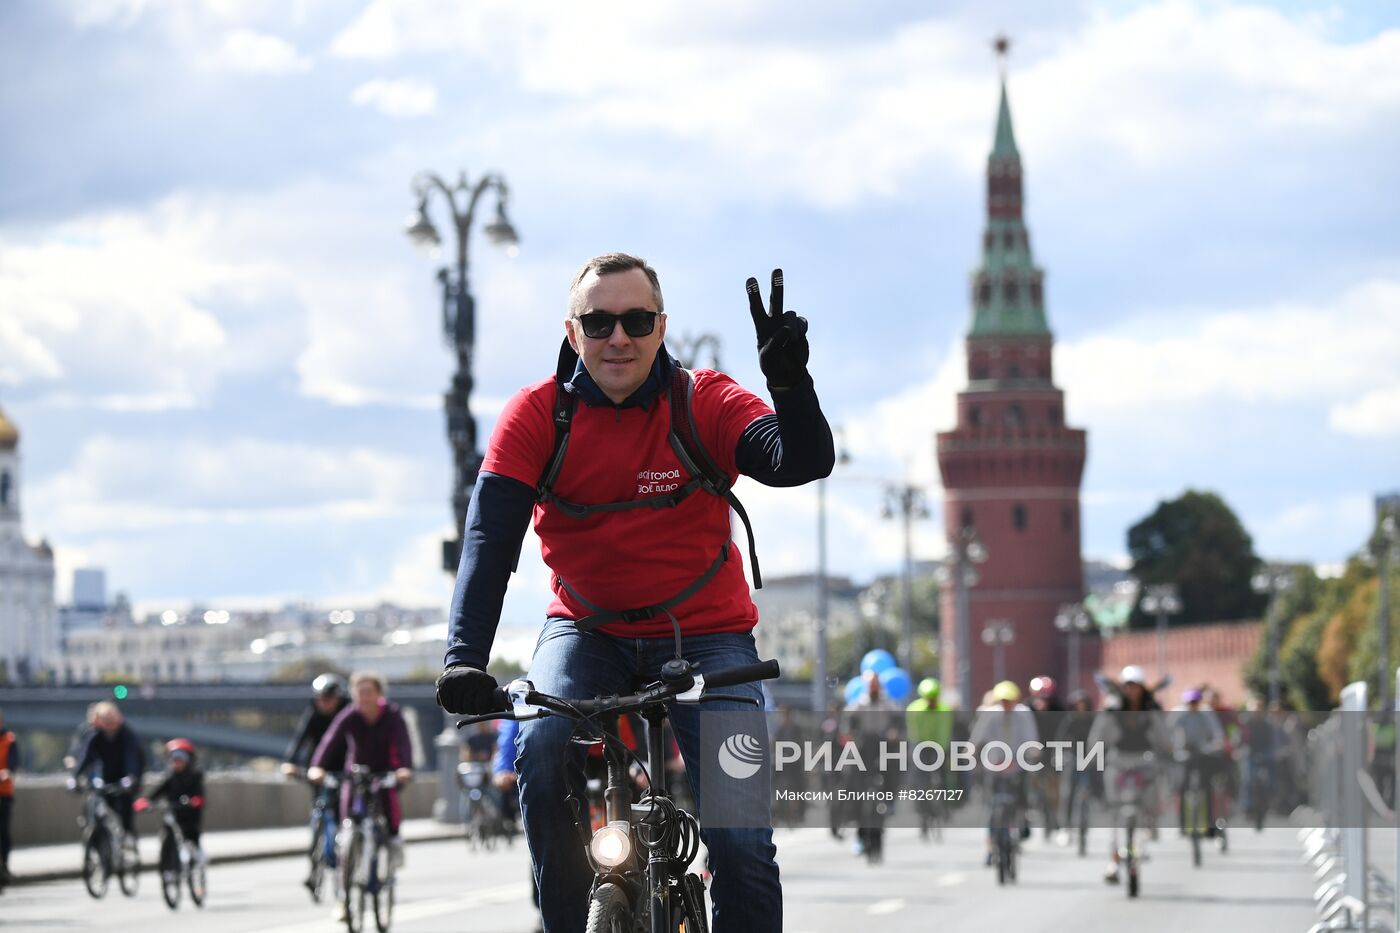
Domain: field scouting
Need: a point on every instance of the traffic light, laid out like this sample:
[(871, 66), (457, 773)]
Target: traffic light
[(119, 691)]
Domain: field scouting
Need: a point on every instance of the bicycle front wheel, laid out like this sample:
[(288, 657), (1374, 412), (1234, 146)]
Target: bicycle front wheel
[(608, 910), (129, 867), (316, 877), (382, 884), (198, 879), (354, 887), (97, 865), (169, 870)]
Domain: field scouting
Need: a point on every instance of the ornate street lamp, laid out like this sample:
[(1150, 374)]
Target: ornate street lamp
[(997, 634), (459, 321), (908, 502), (1161, 601), (1275, 584), (1074, 620), (965, 552)]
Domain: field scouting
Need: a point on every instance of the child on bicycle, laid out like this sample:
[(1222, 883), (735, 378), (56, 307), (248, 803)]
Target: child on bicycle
[(183, 787)]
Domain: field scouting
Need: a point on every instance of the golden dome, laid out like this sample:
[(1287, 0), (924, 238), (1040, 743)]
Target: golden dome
[(9, 434)]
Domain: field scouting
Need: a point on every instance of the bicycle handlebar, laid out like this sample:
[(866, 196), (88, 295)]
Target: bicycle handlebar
[(519, 693), (744, 673)]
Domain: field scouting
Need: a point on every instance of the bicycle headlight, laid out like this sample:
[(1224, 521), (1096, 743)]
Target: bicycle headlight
[(612, 844)]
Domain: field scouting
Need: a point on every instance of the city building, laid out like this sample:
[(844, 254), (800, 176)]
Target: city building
[(207, 645), (1011, 467), (787, 619), (28, 625)]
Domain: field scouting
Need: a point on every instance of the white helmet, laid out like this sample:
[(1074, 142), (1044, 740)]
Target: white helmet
[(1132, 674)]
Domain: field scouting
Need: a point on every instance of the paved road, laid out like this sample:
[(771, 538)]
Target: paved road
[(1260, 887)]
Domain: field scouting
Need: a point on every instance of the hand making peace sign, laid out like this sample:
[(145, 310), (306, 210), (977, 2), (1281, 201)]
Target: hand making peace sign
[(782, 336)]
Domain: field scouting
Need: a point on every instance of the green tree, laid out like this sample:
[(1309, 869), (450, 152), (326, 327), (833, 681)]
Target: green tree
[(1197, 543)]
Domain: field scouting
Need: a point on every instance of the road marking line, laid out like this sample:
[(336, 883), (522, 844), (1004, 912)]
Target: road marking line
[(886, 907), (952, 879), (436, 907)]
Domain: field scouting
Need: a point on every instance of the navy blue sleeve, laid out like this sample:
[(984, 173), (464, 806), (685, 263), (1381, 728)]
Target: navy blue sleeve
[(15, 759), (84, 754), (497, 518), (792, 446)]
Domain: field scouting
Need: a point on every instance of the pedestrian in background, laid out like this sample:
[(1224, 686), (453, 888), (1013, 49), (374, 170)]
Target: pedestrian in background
[(9, 764)]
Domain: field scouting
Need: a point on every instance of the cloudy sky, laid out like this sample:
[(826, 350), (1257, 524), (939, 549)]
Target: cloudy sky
[(224, 355)]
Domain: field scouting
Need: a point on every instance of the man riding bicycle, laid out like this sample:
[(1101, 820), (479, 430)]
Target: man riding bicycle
[(328, 699), (631, 534), (111, 751)]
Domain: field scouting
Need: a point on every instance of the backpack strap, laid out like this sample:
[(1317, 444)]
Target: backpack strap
[(562, 415), (685, 441)]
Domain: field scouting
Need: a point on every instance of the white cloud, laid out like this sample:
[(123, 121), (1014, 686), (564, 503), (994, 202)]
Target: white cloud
[(258, 53), (126, 484), (119, 304), (1375, 414), (405, 97), (834, 123), (1286, 353)]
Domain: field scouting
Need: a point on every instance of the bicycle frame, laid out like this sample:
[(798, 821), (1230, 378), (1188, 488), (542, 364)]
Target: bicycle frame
[(669, 835)]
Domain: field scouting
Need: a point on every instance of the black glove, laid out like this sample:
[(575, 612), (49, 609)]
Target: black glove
[(467, 690), (782, 336)]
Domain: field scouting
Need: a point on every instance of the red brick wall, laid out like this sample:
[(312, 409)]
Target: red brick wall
[(1195, 655)]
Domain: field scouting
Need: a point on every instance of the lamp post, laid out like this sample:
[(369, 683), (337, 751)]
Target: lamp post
[(1074, 620), (1385, 543), (820, 691), (459, 321), (1275, 584), (907, 501), (997, 635), (686, 348), (1161, 601), (964, 553)]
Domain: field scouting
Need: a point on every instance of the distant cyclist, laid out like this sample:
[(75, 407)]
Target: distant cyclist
[(1134, 735), (871, 718), (182, 786), (1008, 721), (1045, 704), (110, 750), (929, 718), (371, 732), (328, 698), (1197, 738)]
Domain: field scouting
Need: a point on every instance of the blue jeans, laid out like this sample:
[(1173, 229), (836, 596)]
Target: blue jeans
[(568, 663)]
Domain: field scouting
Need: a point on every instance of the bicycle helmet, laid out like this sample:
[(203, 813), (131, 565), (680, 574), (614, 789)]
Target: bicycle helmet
[(1006, 692), (1193, 695), (328, 685), (929, 688), (179, 748), (1043, 687), (1132, 674)]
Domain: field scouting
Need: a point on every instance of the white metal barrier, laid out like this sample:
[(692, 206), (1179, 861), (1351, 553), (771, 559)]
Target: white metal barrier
[(1351, 893)]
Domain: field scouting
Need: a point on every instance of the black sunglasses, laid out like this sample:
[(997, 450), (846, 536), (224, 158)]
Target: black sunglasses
[(599, 324)]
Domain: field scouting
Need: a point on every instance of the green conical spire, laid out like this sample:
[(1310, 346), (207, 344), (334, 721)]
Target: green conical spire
[(1007, 297), (1005, 145)]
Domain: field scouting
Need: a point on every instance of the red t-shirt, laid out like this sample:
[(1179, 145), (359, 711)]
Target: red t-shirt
[(638, 557)]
